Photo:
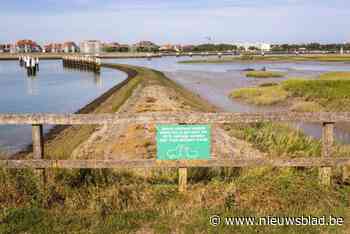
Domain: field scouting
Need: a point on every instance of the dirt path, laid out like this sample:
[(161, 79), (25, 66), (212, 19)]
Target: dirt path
[(137, 141)]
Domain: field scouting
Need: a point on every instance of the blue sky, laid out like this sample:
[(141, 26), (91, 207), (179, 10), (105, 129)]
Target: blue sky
[(177, 21)]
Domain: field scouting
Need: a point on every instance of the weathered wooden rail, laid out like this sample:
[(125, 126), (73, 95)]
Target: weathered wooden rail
[(325, 162), (159, 118)]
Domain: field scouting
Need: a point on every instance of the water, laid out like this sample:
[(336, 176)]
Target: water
[(53, 90), (214, 82), (169, 64), (56, 90)]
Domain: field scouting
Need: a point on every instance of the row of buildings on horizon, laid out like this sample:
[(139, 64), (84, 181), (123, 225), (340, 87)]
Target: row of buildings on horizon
[(96, 46)]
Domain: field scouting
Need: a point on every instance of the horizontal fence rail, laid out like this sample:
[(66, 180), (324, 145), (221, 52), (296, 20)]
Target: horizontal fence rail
[(150, 163), (166, 118), (325, 162)]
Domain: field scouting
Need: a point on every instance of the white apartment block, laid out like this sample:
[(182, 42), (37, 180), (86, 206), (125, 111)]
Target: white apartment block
[(90, 47), (260, 46)]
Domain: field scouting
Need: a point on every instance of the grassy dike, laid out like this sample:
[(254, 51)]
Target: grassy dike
[(107, 201)]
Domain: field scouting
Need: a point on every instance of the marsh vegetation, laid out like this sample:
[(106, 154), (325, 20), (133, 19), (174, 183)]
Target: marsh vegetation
[(120, 201), (265, 74), (330, 92)]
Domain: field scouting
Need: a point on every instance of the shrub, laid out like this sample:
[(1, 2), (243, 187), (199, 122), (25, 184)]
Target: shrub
[(313, 89), (264, 74), (335, 76), (269, 84), (21, 220), (304, 106), (261, 95)]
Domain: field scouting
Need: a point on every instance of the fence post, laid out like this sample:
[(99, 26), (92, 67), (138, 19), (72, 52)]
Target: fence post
[(345, 173), (38, 148), (182, 179), (325, 173)]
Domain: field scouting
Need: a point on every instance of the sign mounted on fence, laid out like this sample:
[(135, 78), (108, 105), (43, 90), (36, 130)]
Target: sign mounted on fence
[(181, 142)]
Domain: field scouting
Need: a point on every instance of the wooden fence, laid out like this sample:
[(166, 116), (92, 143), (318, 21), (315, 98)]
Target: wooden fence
[(325, 162)]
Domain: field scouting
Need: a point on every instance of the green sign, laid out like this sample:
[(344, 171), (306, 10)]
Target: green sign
[(179, 142)]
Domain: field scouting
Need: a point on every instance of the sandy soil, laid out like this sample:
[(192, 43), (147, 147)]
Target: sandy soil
[(138, 141)]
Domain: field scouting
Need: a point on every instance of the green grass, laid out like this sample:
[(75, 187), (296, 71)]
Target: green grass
[(332, 95), (314, 89), (306, 106), (335, 76), (328, 93), (264, 74), (277, 140), (126, 204), (261, 95)]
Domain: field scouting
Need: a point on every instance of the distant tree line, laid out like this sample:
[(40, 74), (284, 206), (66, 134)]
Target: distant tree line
[(311, 46), (152, 49), (213, 47), (210, 47), (109, 49)]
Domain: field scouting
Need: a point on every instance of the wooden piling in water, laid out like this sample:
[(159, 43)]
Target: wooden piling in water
[(31, 64), (83, 63)]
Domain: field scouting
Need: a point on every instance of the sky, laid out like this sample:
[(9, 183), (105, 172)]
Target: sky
[(176, 21)]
